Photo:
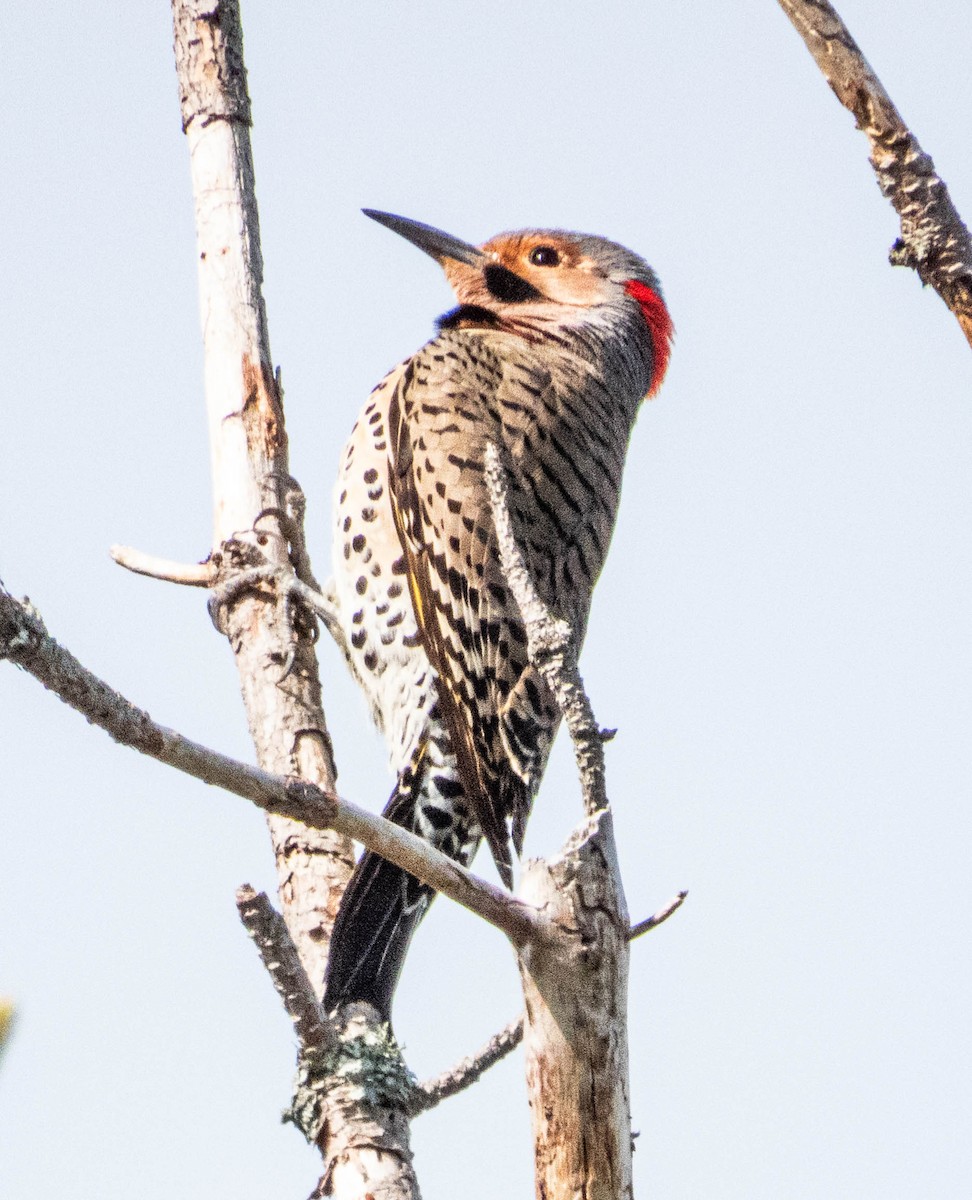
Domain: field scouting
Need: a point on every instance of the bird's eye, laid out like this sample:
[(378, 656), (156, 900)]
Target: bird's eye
[(544, 256)]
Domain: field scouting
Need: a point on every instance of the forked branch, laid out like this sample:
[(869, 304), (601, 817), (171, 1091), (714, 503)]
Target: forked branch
[(466, 1072)]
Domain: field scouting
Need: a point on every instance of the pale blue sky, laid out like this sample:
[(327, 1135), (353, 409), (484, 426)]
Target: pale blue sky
[(782, 634)]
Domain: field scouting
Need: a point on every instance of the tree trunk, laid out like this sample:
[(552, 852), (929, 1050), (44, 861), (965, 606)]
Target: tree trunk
[(258, 524), (576, 1038)]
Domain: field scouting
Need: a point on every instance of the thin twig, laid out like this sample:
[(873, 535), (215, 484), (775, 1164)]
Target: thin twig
[(468, 1070), (663, 914), (279, 954), (25, 641), (550, 645), (934, 240), (190, 574)]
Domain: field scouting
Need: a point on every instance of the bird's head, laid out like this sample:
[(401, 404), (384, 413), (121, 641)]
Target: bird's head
[(575, 278)]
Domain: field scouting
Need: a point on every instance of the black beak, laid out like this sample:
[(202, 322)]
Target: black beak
[(433, 241)]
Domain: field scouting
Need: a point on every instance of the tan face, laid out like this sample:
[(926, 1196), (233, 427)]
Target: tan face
[(551, 263)]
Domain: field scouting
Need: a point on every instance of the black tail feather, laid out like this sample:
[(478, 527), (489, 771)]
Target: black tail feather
[(381, 909)]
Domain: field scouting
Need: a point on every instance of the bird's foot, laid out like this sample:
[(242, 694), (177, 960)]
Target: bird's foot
[(259, 563)]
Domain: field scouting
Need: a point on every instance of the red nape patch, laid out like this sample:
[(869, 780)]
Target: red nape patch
[(660, 329)]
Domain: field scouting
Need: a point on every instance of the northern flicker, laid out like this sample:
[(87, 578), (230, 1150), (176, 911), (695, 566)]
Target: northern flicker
[(556, 340)]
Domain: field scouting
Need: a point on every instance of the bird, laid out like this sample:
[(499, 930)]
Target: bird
[(555, 341)]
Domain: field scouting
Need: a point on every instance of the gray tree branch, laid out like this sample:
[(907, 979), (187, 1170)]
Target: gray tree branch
[(934, 239), (25, 642), (465, 1073), (657, 918), (279, 955)]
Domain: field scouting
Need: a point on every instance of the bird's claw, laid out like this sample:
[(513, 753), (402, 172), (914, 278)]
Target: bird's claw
[(244, 567)]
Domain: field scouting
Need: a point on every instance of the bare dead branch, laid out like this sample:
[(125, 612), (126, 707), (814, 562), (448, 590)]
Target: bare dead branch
[(253, 490), (190, 574), (465, 1073), (279, 955), (574, 984), (654, 921), (25, 641), (934, 240), (550, 645)]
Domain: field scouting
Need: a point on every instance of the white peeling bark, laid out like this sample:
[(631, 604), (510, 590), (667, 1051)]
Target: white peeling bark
[(248, 448), (258, 523), (575, 1038)]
